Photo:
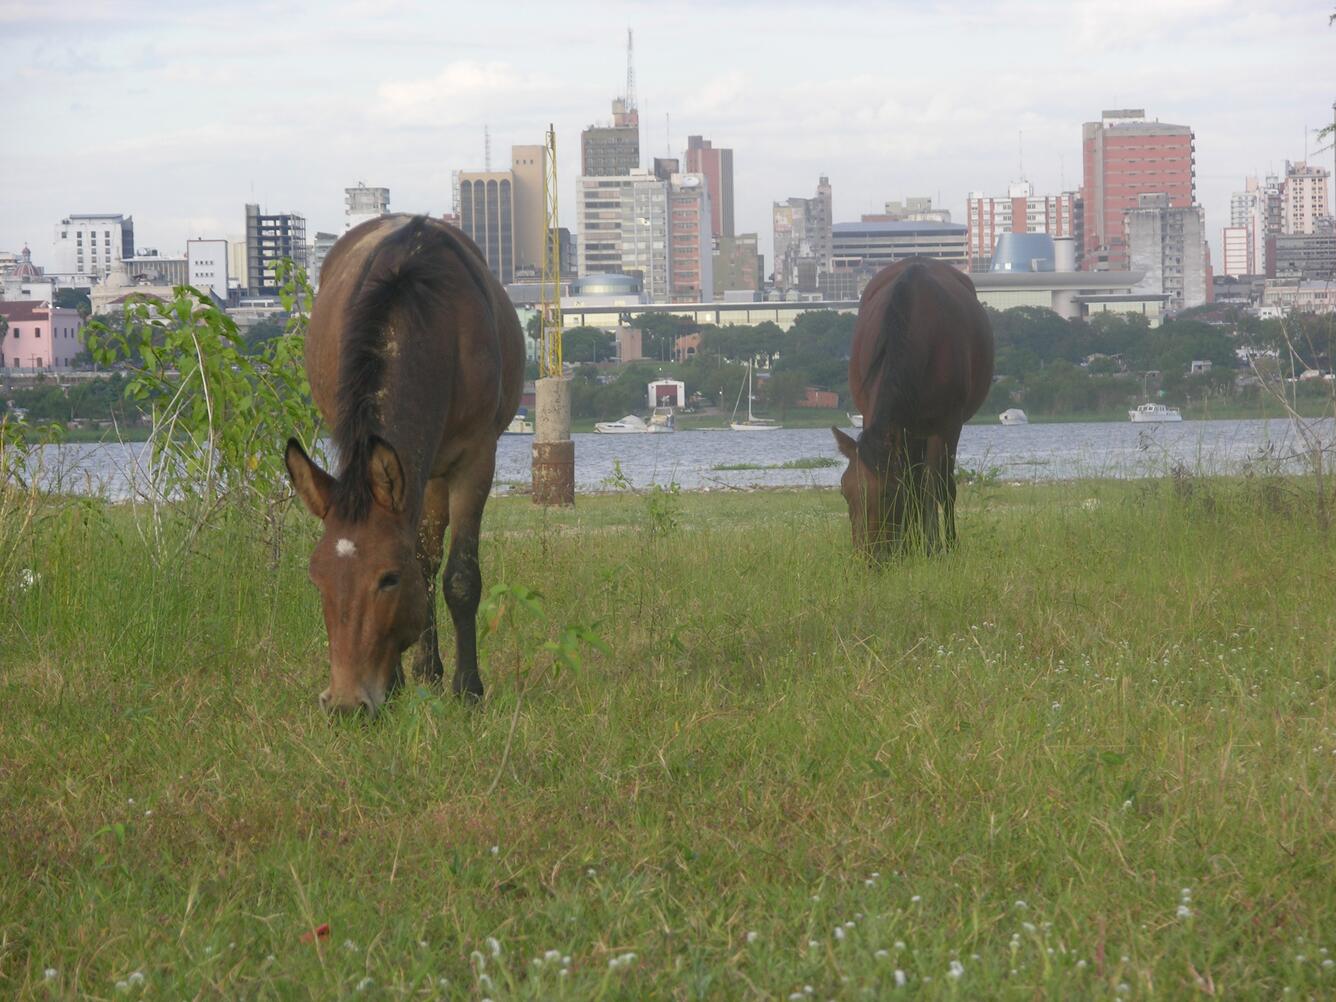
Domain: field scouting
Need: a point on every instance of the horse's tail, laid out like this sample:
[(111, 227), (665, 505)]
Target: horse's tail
[(403, 276), (891, 367)]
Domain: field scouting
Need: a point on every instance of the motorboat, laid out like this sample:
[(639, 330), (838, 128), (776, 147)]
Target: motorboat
[(855, 420), (520, 424), (1013, 415), (631, 425), (1154, 413)]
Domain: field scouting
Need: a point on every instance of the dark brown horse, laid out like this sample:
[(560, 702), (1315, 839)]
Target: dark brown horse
[(416, 361), (922, 363)]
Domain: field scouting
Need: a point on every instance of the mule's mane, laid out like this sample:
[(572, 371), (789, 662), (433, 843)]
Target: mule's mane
[(411, 275), (897, 389)]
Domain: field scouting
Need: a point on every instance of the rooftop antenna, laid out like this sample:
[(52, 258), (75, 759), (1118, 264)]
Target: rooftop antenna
[(487, 148), (630, 72), (1020, 152), (668, 134)]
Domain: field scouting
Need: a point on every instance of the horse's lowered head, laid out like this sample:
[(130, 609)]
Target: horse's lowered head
[(365, 566), (874, 487)]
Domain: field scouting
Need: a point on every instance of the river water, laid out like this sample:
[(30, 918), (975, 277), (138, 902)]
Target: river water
[(692, 459)]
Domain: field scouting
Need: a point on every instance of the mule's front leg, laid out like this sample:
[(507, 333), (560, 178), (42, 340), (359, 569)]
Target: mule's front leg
[(427, 666), (463, 577)]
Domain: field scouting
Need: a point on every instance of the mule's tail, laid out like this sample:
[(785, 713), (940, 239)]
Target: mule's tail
[(403, 280), (891, 366)]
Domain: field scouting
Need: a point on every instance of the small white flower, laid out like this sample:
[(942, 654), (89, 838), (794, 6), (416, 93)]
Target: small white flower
[(1185, 892), (753, 936), (955, 970), (495, 849), (875, 874), (899, 944), (816, 897), (590, 872), (812, 944), (900, 979), (1022, 905), (349, 945), (50, 974), (364, 984), (796, 997), (869, 882), (1328, 963), (552, 956), (137, 978), (563, 972), (882, 954), (808, 990), (494, 945), (839, 933), (422, 944), (1184, 912), (1124, 988), (566, 961), (916, 898), (1056, 706), (1028, 926), (27, 578), (122, 986), (484, 981), (848, 925)]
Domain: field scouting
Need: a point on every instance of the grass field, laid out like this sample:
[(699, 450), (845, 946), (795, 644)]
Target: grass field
[(1090, 754)]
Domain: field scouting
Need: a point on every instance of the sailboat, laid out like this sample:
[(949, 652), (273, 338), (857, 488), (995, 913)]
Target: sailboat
[(752, 423)]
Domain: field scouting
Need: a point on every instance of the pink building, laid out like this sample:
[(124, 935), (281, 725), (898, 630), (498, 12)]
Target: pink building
[(691, 271), (40, 336), (716, 165), (1124, 156), (1020, 211)]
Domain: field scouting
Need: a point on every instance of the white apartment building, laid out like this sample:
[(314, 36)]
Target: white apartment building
[(1237, 252), (86, 246), (206, 266), (623, 222), (362, 203), (1304, 198)]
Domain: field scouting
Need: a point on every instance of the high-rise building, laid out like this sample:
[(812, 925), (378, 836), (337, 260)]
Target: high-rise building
[(1019, 211), (206, 266), (321, 245), (1166, 242), (737, 264), (914, 209), (362, 203), (1304, 200), (716, 165), (87, 245), (487, 215), (623, 224), (270, 238), (612, 150), (528, 169), (1304, 255), (1125, 156), (689, 241), (1248, 211), (1237, 257), (803, 241), (869, 247)]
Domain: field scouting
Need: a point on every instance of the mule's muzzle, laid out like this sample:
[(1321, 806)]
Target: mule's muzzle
[(353, 703)]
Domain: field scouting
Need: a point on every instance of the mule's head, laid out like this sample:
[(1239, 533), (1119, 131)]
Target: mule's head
[(873, 488), (372, 589)]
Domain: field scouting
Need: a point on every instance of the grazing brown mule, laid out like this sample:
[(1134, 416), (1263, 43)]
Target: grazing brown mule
[(921, 365), (416, 361)]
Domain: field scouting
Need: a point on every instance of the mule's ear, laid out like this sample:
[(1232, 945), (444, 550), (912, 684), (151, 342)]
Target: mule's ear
[(387, 475), (313, 485), (847, 446)]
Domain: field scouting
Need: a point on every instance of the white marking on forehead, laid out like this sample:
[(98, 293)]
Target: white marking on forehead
[(345, 548)]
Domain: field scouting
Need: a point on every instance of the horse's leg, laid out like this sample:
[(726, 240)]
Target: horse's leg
[(919, 508), (463, 576), (427, 665), (952, 442)]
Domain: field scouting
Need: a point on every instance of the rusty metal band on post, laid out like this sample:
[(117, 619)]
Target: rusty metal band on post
[(554, 473)]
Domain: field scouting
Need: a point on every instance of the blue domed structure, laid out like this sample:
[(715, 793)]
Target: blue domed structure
[(1027, 252)]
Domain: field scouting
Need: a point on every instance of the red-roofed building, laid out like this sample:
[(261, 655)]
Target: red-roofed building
[(39, 336)]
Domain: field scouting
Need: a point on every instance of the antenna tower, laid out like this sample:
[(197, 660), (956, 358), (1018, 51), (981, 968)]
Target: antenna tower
[(630, 72), (549, 344), (487, 148)]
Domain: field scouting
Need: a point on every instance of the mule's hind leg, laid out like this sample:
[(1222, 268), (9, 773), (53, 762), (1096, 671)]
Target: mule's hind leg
[(427, 666), (463, 576), (949, 501)]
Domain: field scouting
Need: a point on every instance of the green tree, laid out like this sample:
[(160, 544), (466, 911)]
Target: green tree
[(783, 390), (588, 344)]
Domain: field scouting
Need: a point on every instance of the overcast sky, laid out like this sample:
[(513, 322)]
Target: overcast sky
[(180, 112)]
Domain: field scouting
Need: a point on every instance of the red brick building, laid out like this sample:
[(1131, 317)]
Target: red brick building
[(1125, 156)]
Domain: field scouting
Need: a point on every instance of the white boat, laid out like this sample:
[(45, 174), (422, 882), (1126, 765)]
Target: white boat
[(855, 420), (1013, 415), (520, 424), (663, 419), (1157, 413), (752, 423), (630, 425)]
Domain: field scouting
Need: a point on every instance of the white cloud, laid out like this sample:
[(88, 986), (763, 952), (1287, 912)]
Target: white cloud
[(453, 95)]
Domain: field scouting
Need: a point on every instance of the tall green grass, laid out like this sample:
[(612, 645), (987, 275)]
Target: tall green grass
[(1088, 754)]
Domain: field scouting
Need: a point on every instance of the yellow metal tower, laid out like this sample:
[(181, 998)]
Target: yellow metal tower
[(549, 351)]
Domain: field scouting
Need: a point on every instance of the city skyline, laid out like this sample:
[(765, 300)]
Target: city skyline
[(117, 119)]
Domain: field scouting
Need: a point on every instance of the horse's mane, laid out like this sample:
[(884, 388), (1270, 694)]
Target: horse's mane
[(409, 274), (897, 390)]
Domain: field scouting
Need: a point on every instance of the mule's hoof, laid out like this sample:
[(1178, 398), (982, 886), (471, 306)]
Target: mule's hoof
[(468, 690)]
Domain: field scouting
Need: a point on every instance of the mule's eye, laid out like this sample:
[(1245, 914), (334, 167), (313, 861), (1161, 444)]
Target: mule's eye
[(388, 581)]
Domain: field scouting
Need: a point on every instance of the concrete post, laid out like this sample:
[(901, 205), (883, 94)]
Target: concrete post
[(553, 450)]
